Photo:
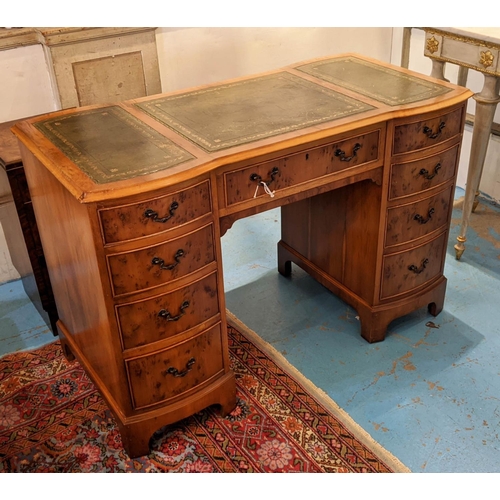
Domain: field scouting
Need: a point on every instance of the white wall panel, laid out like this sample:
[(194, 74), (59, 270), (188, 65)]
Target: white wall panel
[(25, 86), (196, 56)]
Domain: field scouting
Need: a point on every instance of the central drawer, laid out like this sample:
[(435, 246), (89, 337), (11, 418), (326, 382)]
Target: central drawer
[(156, 265), (248, 183), (166, 374)]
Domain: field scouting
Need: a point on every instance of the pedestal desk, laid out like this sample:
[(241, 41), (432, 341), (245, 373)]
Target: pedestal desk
[(477, 49), (132, 199)]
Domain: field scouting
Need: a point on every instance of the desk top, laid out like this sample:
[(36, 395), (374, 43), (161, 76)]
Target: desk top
[(99, 152)]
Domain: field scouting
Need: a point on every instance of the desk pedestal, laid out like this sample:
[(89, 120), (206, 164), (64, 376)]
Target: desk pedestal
[(339, 246)]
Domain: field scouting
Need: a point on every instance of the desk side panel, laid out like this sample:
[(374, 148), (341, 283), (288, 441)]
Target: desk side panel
[(337, 232), (68, 238)]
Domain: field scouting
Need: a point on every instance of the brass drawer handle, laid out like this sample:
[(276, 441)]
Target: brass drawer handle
[(161, 263), (421, 220), (434, 135), (151, 214), (426, 174), (418, 270), (165, 314), (343, 157), (176, 373)]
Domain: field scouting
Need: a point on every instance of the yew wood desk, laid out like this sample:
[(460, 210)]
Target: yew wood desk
[(132, 199)]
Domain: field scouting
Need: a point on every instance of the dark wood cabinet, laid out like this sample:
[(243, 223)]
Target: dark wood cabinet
[(37, 285)]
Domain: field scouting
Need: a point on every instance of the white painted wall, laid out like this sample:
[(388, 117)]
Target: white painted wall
[(25, 90), (196, 56), (25, 86)]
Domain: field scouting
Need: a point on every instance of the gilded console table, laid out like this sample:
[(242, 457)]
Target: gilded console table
[(478, 49), (132, 200)]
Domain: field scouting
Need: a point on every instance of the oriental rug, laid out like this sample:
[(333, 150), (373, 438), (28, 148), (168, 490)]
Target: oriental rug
[(52, 419)]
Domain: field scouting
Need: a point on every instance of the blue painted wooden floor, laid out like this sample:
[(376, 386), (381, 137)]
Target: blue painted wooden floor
[(430, 394)]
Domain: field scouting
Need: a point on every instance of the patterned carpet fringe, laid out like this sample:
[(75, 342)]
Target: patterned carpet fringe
[(52, 419)]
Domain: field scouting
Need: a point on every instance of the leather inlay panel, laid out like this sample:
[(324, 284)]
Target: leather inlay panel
[(109, 144), (382, 84), (233, 114)]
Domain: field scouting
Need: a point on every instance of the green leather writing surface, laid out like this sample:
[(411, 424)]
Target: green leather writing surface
[(110, 144), (377, 82), (237, 113)]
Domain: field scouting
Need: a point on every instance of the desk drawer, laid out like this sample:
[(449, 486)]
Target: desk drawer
[(428, 132), (166, 374), (414, 176), (414, 220), (166, 315), (407, 270), (245, 184), (158, 264), (132, 221)]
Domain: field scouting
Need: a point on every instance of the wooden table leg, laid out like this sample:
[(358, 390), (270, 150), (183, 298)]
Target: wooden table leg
[(486, 103)]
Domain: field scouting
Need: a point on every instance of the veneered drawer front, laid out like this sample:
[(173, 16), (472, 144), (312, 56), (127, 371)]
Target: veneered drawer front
[(158, 264), (414, 220), (245, 184), (414, 176), (161, 376), (427, 132), (407, 270), (129, 222), (166, 315)]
